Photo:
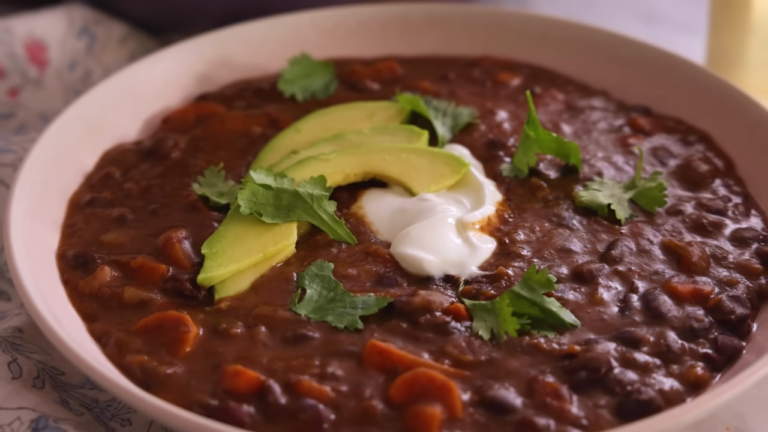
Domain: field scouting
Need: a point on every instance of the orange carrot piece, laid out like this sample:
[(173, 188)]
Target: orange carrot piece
[(314, 390), (688, 292), (175, 330), (147, 270), (238, 380), (386, 357), (422, 384), (458, 311), (424, 418), (189, 116)]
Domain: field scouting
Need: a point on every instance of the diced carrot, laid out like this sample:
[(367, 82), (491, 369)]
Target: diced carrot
[(424, 87), (176, 245), (148, 271), (691, 257), (688, 292), (458, 311), (314, 390), (386, 357), (426, 385), (238, 380), (424, 418), (508, 78), (190, 115), (175, 330)]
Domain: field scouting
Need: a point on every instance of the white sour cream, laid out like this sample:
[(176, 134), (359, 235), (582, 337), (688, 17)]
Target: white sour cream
[(435, 234)]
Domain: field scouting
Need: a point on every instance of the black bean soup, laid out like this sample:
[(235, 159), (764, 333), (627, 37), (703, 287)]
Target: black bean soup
[(666, 301)]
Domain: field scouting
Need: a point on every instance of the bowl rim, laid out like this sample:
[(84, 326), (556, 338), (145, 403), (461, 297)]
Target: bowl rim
[(175, 416)]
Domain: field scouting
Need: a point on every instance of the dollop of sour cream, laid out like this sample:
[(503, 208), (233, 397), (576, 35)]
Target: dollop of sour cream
[(434, 234)]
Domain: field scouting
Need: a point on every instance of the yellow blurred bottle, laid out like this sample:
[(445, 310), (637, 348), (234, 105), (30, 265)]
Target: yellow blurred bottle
[(738, 44)]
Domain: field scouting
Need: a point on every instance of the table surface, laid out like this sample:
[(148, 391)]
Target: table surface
[(49, 57)]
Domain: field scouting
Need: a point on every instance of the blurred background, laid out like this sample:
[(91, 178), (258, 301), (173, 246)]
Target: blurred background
[(728, 36)]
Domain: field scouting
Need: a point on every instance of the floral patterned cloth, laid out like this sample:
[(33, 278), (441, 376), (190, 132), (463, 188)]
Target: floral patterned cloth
[(47, 59)]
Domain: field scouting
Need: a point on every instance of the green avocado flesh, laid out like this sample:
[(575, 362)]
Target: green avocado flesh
[(329, 121), (417, 169), (381, 135)]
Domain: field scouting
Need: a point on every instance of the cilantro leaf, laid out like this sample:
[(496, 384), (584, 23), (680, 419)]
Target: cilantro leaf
[(522, 307), (307, 78), (528, 300), (275, 198), (446, 117), (327, 300), (493, 317), (536, 140), (602, 194), (213, 186)]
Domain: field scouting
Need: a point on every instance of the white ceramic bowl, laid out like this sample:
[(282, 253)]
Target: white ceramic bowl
[(127, 105)]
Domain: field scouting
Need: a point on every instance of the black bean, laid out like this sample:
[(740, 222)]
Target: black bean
[(696, 325), (657, 305), (301, 335), (746, 237), (715, 361), (183, 285), (588, 370), (234, 413), (273, 397), (668, 347), (161, 147), (696, 172), (588, 272), (500, 399), (617, 250), (639, 403), (662, 155), (761, 252), (621, 381), (314, 415), (421, 302), (713, 206), (730, 310), (705, 225), (531, 423), (78, 259), (632, 338), (728, 346), (389, 281)]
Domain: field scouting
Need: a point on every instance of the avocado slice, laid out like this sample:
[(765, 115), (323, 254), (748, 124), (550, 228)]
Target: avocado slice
[(380, 135), (329, 121), (417, 169), (243, 280), (241, 242)]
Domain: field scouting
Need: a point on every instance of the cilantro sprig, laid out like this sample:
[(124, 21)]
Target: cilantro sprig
[(307, 78), (446, 117), (602, 194), (325, 299), (213, 186), (535, 140), (524, 307), (276, 198)]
